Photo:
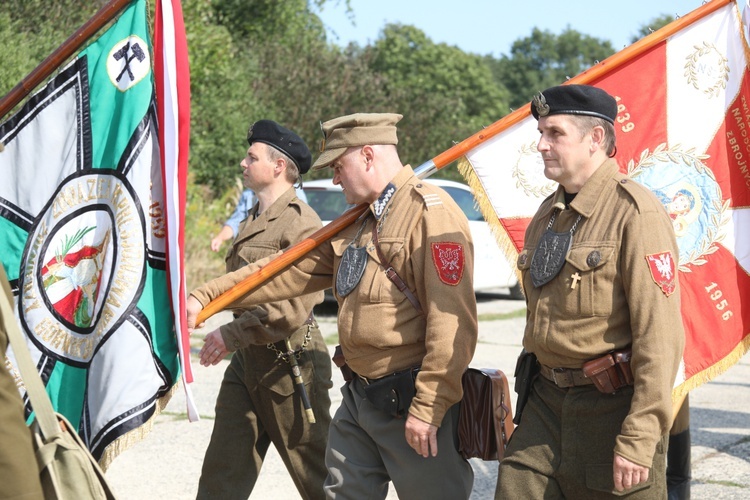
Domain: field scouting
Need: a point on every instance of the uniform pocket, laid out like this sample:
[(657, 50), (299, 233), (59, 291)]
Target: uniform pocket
[(249, 252), (380, 288), (590, 271), (599, 477)]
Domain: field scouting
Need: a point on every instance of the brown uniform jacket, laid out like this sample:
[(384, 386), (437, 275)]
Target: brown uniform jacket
[(286, 222), (19, 472), (616, 303), (379, 330)]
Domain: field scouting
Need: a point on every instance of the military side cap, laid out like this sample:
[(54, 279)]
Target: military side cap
[(354, 130), (271, 133), (575, 100)]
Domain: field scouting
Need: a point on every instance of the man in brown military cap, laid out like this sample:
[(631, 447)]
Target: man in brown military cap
[(599, 268), (407, 335), (257, 404)]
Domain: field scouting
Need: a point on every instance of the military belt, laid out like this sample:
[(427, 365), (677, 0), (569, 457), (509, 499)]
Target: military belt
[(564, 377)]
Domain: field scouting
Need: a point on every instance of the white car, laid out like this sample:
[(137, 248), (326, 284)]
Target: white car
[(491, 267)]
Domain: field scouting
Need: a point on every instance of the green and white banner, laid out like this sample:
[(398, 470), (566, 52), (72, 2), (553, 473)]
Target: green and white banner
[(83, 229)]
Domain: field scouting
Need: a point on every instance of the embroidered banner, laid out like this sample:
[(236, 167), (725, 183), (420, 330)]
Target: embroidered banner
[(82, 215), (682, 129)]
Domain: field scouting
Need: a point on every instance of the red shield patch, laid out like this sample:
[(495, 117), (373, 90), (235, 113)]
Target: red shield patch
[(662, 269), (449, 262)]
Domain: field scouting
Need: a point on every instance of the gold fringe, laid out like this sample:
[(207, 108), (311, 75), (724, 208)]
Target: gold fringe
[(488, 212), (714, 370), (128, 439)]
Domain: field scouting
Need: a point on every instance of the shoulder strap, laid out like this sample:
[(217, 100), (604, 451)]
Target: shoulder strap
[(393, 275), (45, 414)]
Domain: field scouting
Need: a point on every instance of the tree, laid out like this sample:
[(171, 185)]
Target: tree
[(31, 30), (222, 99), (651, 26), (544, 59), (444, 93)]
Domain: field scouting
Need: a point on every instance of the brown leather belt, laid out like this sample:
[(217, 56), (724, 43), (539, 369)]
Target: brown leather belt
[(564, 377)]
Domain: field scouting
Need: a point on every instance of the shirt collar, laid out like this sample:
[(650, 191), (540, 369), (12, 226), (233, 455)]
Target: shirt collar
[(378, 207)]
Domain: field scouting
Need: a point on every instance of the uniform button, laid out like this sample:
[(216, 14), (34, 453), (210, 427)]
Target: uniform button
[(522, 259), (236, 344), (593, 259), (624, 181)]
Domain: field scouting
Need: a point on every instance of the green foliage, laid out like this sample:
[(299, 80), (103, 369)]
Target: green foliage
[(34, 29), (444, 93), (651, 26), (222, 100), (206, 214), (544, 59)]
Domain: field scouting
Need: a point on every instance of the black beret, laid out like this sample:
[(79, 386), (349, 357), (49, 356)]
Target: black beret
[(283, 139), (575, 100)]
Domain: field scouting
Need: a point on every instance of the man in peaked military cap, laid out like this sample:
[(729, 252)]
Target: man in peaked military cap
[(406, 336), (603, 318), (257, 404)]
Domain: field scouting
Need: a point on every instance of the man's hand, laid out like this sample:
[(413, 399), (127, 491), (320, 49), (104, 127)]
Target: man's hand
[(214, 349), (193, 308), (421, 436), (627, 474)]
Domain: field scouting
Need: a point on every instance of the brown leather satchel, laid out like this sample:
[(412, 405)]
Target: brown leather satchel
[(485, 422)]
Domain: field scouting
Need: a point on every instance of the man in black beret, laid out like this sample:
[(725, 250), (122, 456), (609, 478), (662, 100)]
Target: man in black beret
[(257, 404), (292, 145), (604, 328)]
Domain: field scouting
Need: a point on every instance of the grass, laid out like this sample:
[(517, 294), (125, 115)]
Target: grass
[(518, 313)]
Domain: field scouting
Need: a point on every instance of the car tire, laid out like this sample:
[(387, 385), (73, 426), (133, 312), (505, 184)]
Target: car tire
[(516, 293)]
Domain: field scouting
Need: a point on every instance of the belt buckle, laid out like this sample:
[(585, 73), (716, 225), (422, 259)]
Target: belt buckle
[(562, 377)]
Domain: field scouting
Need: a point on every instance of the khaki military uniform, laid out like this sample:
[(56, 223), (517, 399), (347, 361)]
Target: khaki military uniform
[(19, 472), (604, 298), (426, 238), (257, 404)]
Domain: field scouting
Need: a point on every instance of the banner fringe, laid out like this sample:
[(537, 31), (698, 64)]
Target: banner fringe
[(136, 435), (506, 245), (714, 370)]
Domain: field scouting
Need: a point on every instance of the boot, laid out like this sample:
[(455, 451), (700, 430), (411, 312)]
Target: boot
[(678, 466)]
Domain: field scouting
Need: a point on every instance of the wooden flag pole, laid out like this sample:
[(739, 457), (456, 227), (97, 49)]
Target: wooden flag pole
[(443, 159), (59, 56)]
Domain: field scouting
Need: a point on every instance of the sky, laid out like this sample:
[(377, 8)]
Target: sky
[(491, 26)]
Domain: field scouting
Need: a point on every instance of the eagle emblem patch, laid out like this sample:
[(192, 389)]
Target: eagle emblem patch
[(662, 267), (449, 262)]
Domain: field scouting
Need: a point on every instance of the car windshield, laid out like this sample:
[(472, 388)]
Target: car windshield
[(330, 203), (465, 200), (327, 204)]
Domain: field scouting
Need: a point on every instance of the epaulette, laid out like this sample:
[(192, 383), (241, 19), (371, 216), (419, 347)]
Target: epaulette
[(643, 198), (430, 198)]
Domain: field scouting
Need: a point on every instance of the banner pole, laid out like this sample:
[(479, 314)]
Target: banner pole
[(445, 158), (63, 52)]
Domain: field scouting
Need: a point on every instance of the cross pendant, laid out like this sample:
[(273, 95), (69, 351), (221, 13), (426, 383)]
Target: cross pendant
[(576, 278)]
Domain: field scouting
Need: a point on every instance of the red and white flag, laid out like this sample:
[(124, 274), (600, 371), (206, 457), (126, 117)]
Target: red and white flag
[(683, 130), (172, 81)]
